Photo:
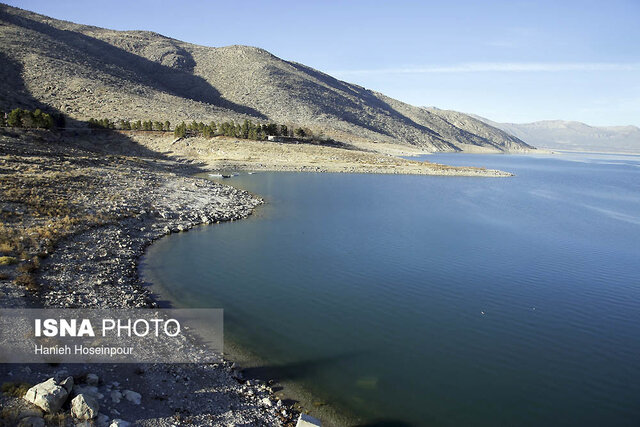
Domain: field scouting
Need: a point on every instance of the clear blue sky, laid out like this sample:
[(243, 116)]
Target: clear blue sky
[(513, 61)]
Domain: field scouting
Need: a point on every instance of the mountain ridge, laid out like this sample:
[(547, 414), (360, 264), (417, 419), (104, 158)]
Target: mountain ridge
[(573, 135), (87, 71)]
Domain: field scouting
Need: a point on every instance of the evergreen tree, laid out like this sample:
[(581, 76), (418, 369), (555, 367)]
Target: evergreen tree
[(180, 130), (15, 118), (167, 126)]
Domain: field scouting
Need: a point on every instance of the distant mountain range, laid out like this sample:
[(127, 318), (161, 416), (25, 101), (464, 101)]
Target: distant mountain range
[(85, 71), (567, 135)]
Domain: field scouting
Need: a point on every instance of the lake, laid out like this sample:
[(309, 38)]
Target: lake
[(435, 301)]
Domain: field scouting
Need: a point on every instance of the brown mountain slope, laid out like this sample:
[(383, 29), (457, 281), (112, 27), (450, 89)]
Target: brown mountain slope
[(87, 72)]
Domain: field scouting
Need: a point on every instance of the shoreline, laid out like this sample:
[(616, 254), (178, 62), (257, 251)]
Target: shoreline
[(300, 397), (163, 201), (137, 199), (235, 155)]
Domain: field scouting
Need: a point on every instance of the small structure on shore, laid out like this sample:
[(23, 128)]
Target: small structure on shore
[(286, 139)]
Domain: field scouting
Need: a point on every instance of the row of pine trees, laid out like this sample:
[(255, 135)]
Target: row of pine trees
[(244, 130), (129, 125)]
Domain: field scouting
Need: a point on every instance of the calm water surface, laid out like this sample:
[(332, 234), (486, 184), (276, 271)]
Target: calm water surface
[(436, 301)]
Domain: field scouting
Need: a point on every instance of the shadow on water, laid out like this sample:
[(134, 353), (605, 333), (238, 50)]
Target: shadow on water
[(385, 423), (296, 370)]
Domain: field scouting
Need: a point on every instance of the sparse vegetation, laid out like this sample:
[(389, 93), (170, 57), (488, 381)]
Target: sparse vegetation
[(59, 419), (7, 260), (15, 389), (47, 203)]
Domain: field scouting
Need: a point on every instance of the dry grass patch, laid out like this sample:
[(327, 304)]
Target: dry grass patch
[(15, 389)]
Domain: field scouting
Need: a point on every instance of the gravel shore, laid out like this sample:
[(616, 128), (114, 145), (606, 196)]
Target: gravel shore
[(95, 265), (77, 214)]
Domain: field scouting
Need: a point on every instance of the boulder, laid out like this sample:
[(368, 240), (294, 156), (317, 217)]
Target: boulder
[(119, 423), (84, 407), (67, 383), (49, 396)]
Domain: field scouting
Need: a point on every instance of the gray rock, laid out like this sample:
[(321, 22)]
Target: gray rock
[(102, 420), (89, 390), (92, 379), (132, 396), (67, 383), (116, 396), (84, 407), (49, 396)]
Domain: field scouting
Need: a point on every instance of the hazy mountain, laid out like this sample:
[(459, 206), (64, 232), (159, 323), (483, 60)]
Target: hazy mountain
[(566, 135), (86, 71)]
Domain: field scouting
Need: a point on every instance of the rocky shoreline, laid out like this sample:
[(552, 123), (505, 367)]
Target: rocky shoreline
[(89, 215), (97, 267)]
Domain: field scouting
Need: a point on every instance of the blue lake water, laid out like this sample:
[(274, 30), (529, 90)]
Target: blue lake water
[(436, 301)]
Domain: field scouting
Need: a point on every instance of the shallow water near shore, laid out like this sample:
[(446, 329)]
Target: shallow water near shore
[(435, 301)]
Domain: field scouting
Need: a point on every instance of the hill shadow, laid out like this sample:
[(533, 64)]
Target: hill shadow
[(368, 97), (14, 94), (121, 64)]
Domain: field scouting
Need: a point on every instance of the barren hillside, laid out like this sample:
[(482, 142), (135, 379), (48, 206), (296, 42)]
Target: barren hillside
[(87, 71)]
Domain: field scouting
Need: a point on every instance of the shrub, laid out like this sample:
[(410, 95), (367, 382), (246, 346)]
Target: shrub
[(28, 281), (7, 260), (14, 119), (29, 267)]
